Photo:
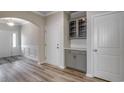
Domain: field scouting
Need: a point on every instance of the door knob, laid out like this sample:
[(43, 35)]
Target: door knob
[(57, 45), (95, 50)]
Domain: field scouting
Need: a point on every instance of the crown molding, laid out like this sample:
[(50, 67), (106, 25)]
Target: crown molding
[(38, 13), (51, 13), (41, 14)]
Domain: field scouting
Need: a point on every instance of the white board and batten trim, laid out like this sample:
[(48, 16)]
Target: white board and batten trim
[(30, 52), (30, 57)]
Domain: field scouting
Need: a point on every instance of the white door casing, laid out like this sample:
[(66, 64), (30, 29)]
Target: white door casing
[(109, 46)]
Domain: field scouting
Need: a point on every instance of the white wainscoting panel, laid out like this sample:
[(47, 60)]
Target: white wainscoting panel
[(30, 52)]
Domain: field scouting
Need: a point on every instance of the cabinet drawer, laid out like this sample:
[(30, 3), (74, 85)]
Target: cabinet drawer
[(78, 52), (67, 51)]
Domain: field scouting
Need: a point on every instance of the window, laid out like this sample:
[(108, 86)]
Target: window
[(14, 40)]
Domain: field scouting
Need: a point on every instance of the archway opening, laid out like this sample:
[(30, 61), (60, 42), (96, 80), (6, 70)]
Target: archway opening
[(19, 37)]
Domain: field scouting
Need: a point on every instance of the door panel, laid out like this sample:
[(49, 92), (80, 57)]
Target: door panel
[(110, 64), (107, 58)]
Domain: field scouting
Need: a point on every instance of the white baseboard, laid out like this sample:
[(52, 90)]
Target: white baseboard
[(31, 58), (39, 63), (89, 75), (62, 67), (42, 62)]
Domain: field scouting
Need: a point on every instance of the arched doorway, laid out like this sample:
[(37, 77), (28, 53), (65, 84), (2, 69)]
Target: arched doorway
[(35, 19)]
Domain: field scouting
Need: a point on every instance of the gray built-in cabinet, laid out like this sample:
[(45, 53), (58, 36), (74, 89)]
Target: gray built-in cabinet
[(78, 28), (75, 59)]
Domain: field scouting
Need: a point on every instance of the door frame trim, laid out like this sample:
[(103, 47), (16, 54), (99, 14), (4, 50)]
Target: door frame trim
[(92, 36)]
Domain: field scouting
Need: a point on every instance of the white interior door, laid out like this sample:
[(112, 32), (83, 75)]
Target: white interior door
[(52, 40), (109, 46)]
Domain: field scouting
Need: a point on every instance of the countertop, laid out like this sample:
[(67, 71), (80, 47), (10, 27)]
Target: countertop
[(81, 49)]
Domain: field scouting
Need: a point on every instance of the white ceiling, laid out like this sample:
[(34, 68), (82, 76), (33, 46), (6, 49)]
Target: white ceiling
[(17, 21)]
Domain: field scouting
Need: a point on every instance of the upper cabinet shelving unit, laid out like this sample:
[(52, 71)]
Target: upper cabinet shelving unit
[(78, 28), (73, 28)]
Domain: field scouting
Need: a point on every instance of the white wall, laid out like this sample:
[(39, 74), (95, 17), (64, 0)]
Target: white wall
[(6, 48), (78, 43), (78, 14), (54, 36), (30, 40), (66, 30)]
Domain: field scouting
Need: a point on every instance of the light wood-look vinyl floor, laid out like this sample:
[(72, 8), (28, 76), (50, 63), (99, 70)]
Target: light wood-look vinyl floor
[(26, 70)]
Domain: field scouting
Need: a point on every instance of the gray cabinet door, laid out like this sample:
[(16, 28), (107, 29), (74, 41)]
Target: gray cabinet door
[(67, 58), (81, 62), (78, 60), (75, 59)]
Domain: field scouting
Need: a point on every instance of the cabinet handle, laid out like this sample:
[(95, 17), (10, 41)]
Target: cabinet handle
[(74, 57), (95, 50)]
